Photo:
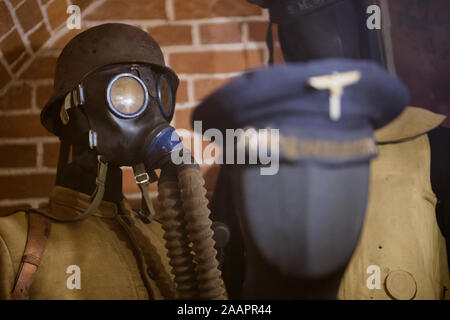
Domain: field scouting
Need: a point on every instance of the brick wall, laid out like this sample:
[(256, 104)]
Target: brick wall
[(207, 42)]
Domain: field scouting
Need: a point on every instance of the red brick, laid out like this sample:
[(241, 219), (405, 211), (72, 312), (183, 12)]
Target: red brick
[(5, 18), (43, 94), (83, 4), (26, 186), (65, 38), (216, 61), (41, 68), (17, 97), (15, 156), (182, 92), (203, 87), (131, 9), (4, 76), (257, 31), (51, 154), (183, 118), (5, 210), (56, 12), (39, 37), (254, 59), (220, 33), (29, 14), (15, 2), (20, 62), (26, 126), (129, 184), (194, 9), (171, 35), (12, 47)]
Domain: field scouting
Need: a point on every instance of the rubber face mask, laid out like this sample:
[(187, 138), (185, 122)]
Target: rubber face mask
[(129, 108)]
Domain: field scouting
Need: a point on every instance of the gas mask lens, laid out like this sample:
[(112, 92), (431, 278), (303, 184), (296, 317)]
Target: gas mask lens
[(127, 95), (165, 98)]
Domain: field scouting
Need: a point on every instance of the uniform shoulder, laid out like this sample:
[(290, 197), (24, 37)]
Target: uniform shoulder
[(13, 230), (411, 123), (14, 220), (13, 236)]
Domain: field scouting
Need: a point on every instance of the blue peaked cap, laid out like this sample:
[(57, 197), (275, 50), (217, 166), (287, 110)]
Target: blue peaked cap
[(281, 97)]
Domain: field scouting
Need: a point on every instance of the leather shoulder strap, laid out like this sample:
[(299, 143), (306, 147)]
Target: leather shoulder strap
[(38, 233)]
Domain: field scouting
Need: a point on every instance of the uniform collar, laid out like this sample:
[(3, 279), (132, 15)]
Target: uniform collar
[(68, 204), (411, 123)]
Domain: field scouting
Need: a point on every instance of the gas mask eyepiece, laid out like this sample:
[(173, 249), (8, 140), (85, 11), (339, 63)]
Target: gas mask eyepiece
[(127, 95), (165, 97)]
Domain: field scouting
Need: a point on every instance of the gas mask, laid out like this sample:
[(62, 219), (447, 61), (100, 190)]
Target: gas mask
[(129, 108), (114, 92)]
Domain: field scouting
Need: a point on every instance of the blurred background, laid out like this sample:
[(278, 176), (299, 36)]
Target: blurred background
[(207, 42)]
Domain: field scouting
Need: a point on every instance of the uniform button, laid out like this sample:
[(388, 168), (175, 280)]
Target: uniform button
[(401, 285)]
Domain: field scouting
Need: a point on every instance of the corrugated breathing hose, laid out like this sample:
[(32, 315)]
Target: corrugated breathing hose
[(177, 242), (193, 197), (188, 233)]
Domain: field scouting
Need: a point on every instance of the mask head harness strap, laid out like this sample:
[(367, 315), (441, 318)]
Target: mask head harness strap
[(143, 180), (73, 98), (97, 196)]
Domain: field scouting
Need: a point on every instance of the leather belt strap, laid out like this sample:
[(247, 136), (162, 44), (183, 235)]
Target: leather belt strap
[(38, 233)]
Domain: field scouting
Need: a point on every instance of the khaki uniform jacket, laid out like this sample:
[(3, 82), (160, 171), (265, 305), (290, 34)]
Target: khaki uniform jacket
[(106, 256), (401, 253)]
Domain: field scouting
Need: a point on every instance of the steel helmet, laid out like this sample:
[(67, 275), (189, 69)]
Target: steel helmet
[(94, 48)]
